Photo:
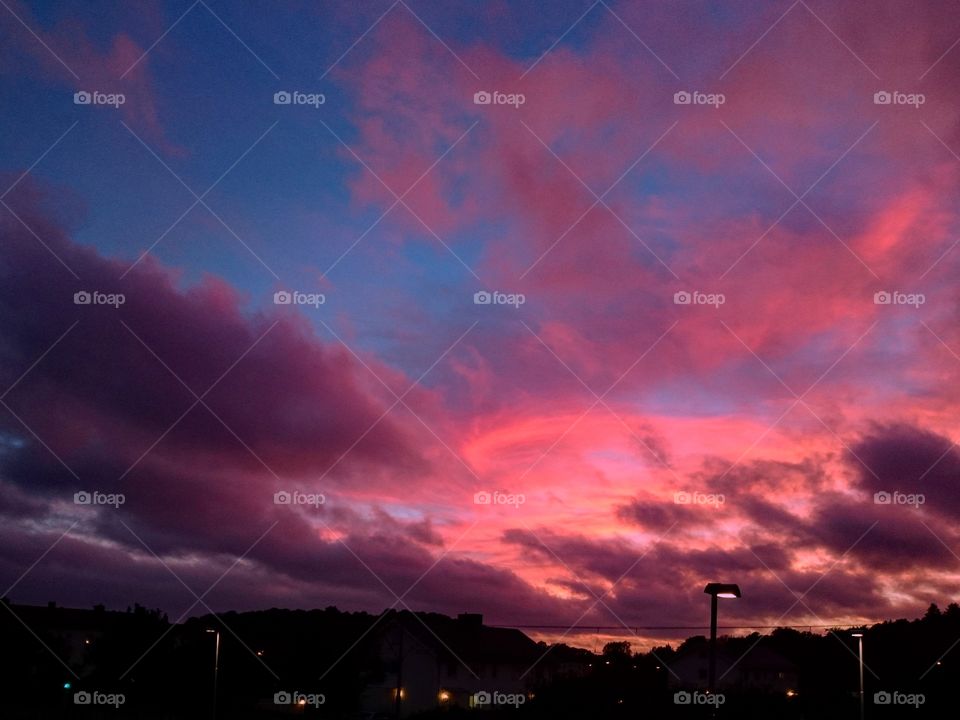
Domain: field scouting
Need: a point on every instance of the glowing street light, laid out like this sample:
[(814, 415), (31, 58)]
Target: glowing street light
[(216, 669), (717, 590), (859, 637)]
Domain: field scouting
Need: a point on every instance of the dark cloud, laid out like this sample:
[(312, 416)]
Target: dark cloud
[(911, 460), (284, 407)]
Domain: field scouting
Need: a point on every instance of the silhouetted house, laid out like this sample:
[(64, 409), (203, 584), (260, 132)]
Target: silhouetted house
[(437, 661), (72, 633), (759, 668), (564, 662)]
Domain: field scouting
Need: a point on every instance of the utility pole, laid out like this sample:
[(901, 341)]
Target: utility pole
[(713, 643), (216, 669)]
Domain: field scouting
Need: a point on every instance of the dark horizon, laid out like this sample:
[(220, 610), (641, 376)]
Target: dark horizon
[(316, 655), (597, 631)]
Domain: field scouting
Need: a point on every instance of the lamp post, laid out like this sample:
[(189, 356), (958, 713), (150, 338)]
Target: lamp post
[(216, 668), (717, 590), (859, 637)]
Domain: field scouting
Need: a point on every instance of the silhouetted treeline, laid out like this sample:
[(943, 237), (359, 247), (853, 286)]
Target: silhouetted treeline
[(165, 670)]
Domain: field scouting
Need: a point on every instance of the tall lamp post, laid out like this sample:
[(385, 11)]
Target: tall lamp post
[(859, 637), (216, 668), (717, 590)]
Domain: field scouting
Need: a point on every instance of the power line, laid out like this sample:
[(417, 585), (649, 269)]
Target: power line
[(621, 628)]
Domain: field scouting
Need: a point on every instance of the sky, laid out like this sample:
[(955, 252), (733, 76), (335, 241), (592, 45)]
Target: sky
[(554, 315)]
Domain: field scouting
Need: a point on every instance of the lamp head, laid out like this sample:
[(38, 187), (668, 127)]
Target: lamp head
[(723, 590)]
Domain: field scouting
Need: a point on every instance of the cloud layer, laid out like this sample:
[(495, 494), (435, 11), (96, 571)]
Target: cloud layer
[(791, 427)]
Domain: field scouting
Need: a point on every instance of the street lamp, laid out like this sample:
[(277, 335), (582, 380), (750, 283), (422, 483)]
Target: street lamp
[(859, 637), (216, 668), (717, 590)]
